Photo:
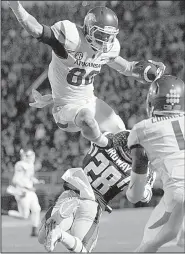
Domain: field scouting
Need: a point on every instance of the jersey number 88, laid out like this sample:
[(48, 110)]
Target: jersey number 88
[(76, 76)]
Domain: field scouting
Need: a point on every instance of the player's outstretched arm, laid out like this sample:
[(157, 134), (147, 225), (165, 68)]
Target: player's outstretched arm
[(123, 66), (126, 68), (31, 25), (37, 181), (134, 68)]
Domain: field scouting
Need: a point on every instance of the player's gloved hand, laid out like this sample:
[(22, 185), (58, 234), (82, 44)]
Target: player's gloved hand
[(13, 4), (41, 181), (160, 68), (147, 194), (151, 177), (40, 100)]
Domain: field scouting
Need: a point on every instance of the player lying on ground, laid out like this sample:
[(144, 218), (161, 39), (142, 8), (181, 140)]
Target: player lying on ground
[(74, 219), (161, 137), (78, 54), (23, 190)]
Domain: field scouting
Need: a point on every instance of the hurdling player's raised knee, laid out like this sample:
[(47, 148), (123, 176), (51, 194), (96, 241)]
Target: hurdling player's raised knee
[(89, 128)]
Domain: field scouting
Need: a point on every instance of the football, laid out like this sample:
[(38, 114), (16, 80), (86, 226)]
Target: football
[(146, 71)]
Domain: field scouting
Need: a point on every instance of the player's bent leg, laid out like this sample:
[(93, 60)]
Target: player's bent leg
[(42, 227), (44, 235), (63, 122), (89, 127), (164, 223), (23, 209), (84, 230), (61, 218), (16, 214), (35, 213), (85, 226), (107, 119)]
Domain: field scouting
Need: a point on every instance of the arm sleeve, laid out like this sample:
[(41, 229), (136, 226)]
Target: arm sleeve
[(122, 65), (49, 38)]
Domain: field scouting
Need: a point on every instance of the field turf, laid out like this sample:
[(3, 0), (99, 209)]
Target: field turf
[(120, 231)]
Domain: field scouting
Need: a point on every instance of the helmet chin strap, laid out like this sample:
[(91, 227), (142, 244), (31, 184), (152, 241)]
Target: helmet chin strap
[(93, 46)]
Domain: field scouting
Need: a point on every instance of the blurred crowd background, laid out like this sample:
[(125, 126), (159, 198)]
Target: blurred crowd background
[(148, 30)]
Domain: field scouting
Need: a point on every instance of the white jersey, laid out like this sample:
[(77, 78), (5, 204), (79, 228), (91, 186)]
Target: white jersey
[(72, 79), (24, 173), (164, 142)]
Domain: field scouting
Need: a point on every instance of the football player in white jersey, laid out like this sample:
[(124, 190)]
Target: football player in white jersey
[(78, 54), (23, 190), (160, 139), (74, 218)]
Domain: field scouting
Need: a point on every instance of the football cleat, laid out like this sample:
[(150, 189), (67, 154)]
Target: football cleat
[(53, 235), (34, 232)]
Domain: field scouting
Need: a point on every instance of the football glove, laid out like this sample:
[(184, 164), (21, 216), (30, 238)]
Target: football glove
[(151, 177), (147, 196), (161, 68), (40, 100)]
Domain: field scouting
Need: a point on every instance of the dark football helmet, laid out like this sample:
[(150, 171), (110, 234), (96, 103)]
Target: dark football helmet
[(101, 28), (120, 144), (166, 96)]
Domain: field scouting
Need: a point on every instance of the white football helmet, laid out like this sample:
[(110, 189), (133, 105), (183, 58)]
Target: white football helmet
[(101, 28), (27, 155)]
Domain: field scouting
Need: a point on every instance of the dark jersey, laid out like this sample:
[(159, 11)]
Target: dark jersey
[(107, 171)]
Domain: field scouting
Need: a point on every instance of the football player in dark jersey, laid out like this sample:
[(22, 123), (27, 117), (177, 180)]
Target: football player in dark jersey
[(74, 219)]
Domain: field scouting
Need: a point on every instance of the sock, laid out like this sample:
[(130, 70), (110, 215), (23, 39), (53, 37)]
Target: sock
[(34, 231), (72, 243), (35, 218), (103, 141)]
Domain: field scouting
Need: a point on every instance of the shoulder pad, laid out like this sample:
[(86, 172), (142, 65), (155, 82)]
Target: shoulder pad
[(67, 33), (136, 134)]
